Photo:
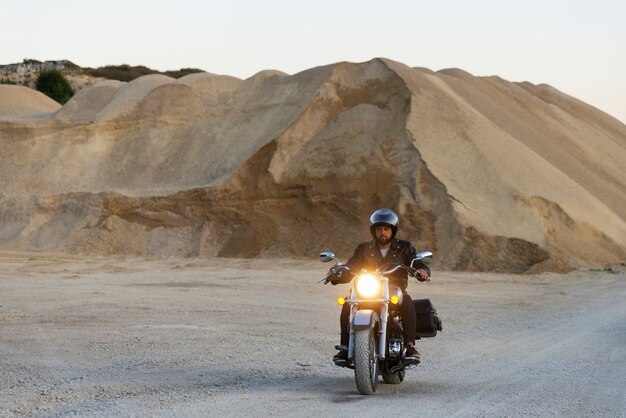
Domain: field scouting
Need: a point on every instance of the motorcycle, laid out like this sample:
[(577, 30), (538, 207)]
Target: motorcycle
[(376, 345)]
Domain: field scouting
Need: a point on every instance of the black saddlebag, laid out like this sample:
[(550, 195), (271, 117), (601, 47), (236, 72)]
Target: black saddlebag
[(427, 322)]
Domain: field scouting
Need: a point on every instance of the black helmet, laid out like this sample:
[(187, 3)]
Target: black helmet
[(384, 217)]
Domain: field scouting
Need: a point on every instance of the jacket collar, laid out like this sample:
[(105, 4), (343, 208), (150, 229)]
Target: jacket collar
[(379, 260), (395, 244)]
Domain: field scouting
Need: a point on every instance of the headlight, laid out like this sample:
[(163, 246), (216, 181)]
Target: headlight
[(367, 285)]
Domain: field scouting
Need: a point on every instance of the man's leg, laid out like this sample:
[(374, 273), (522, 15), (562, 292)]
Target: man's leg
[(344, 323), (407, 310)]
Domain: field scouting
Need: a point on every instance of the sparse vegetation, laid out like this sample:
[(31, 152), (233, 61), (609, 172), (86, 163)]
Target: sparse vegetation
[(182, 72), (615, 269), (122, 72), (67, 68), (71, 67), (31, 61), (53, 84), (126, 72)]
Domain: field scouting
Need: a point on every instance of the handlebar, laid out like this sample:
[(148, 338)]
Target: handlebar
[(408, 269), (411, 270), (339, 267)]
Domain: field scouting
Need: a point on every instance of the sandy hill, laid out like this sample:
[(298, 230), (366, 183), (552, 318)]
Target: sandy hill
[(20, 100), (489, 174)]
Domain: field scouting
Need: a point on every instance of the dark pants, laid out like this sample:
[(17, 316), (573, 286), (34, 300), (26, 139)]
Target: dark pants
[(407, 311)]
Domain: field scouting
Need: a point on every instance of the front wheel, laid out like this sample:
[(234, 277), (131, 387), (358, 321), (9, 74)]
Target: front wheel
[(365, 361)]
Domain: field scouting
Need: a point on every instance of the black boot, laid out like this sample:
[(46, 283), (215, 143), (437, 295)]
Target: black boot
[(342, 354), (412, 354)]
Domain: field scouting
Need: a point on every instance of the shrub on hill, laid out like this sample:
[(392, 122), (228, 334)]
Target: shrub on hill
[(122, 72), (54, 85), (182, 72), (126, 72)]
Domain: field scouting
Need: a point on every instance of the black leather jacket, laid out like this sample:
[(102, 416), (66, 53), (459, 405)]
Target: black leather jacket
[(367, 256)]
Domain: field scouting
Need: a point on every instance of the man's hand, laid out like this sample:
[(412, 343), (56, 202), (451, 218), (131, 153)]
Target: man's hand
[(333, 279), (334, 276), (422, 275)]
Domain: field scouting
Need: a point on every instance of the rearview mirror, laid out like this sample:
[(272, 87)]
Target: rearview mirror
[(327, 256), (423, 256)]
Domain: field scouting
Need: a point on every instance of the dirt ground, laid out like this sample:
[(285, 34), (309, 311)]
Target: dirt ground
[(214, 337)]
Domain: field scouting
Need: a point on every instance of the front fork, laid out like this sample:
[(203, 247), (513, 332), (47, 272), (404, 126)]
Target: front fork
[(382, 341), (382, 329)]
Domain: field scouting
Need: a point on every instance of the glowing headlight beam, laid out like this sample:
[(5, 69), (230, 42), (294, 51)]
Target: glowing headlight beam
[(367, 285)]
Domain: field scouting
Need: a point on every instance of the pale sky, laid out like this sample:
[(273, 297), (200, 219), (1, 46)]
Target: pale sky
[(577, 46)]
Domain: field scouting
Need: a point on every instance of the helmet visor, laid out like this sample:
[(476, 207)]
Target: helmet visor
[(384, 217)]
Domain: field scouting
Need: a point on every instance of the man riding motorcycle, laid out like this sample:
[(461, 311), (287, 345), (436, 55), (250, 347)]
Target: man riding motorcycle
[(382, 249)]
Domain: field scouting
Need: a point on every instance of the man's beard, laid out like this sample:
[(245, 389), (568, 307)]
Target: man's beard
[(383, 241)]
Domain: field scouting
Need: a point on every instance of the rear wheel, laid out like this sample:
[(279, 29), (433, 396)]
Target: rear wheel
[(365, 361)]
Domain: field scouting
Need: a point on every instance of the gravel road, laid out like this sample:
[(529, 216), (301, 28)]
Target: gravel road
[(194, 337)]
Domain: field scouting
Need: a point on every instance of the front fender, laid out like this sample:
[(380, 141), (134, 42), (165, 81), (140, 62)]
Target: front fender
[(364, 319)]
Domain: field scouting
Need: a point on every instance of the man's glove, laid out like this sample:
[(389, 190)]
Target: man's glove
[(421, 275), (335, 275), (333, 279)]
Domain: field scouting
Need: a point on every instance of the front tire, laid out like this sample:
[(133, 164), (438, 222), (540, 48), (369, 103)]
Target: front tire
[(365, 361)]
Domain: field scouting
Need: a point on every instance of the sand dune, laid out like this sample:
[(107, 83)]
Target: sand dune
[(490, 174), (85, 106), (19, 100), (129, 95)]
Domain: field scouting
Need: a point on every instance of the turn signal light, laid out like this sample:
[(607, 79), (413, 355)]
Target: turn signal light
[(395, 299), (341, 300)]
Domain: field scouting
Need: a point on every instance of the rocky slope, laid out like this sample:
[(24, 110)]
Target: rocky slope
[(489, 174)]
